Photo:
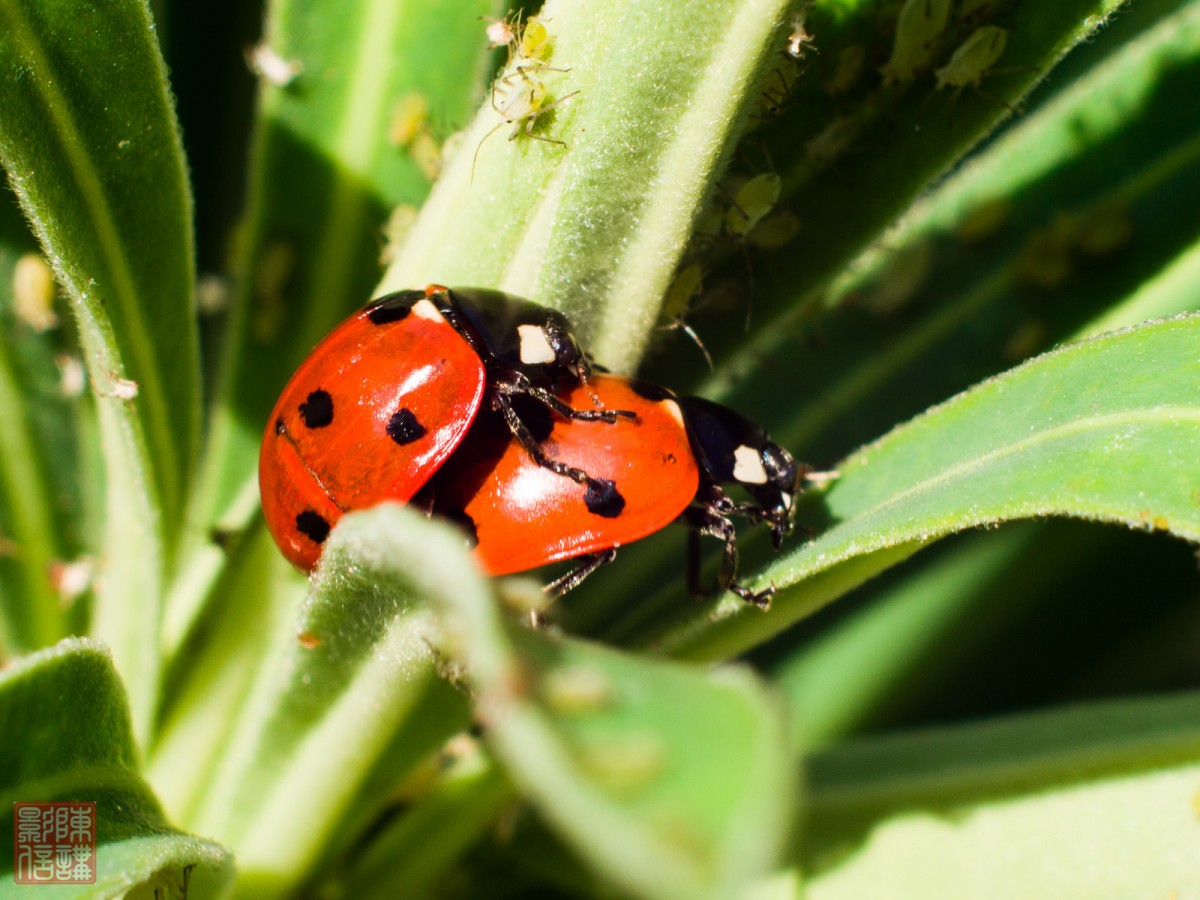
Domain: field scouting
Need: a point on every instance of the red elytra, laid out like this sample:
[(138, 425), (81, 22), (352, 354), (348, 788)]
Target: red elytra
[(370, 415), (642, 475)]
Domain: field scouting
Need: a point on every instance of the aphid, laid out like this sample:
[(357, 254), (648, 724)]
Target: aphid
[(833, 141), (774, 93), (800, 37), (984, 220), (502, 32), (920, 24), (33, 292), (1044, 260), (776, 230), (124, 388), (520, 100), (271, 67), (751, 203), (426, 153), (535, 43), (410, 116), (903, 278), (848, 69), (275, 265), (973, 58), (1103, 230), (72, 376), (212, 294), (678, 300), (70, 579)]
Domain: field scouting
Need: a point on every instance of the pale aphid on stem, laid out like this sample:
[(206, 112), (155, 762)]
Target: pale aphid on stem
[(678, 300), (974, 56), (521, 106), (919, 25), (752, 201)]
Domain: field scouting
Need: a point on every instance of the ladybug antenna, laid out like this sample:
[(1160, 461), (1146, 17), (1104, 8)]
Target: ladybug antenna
[(691, 332)]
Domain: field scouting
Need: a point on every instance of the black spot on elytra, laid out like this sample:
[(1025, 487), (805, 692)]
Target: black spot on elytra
[(313, 526), (280, 428), (603, 499), (317, 410), (460, 518), (393, 307), (403, 427), (648, 391)]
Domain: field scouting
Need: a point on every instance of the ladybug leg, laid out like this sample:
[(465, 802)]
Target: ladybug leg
[(579, 415), (587, 565), (711, 519), (602, 498), (518, 384)]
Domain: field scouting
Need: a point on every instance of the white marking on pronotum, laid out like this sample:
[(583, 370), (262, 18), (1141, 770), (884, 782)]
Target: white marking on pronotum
[(747, 466), (426, 310), (676, 413), (535, 346)]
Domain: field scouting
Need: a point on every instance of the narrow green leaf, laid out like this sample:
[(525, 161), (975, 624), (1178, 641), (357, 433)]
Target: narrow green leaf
[(1106, 429), (68, 737), (31, 612), (89, 141), (597, 226), (850, 677), (1097, 801), (209, 683), (883, 144), (414, 854), (337, 685), (605, 745)]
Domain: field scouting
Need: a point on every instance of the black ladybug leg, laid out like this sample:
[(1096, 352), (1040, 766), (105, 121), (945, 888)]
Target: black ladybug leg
[(710, 522), (587, 565), (556, 405), (600, 487)]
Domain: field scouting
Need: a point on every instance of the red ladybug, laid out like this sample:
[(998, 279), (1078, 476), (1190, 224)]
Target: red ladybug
[(670, 464), (385, 399)]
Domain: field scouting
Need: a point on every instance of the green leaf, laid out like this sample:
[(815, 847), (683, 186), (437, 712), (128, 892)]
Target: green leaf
[(596, 227), (1106, 429), (339, 684), (37, 428), (1094, 801), (882, 145), (68, 737), (605, 745), (89, 141), (413, 855)]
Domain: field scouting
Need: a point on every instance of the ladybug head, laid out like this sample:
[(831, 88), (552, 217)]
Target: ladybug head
[(547, 342), (732, 449), (523, 336)]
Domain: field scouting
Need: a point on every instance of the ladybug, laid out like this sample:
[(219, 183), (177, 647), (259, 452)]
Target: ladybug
[(387, 396), (670, 464)]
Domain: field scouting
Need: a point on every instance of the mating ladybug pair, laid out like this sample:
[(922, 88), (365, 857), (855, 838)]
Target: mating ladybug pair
[(482, 408)]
